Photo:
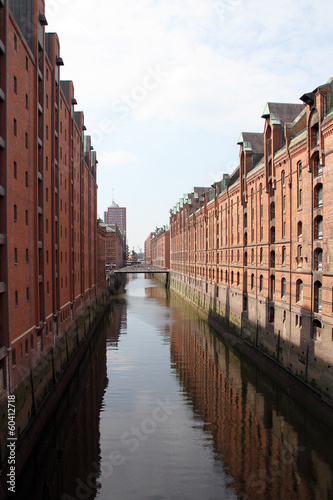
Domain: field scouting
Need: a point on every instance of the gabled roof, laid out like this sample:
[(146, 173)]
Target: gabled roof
[(281, 113), (252, 141)]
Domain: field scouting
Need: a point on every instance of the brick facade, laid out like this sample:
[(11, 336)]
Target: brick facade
[(48, 194), (157, 248), (255, 248)]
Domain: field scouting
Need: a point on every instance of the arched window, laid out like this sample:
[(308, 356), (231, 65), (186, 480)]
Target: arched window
[(252, 255), (299, 170), (299, 256), (314, 129), (272, 286), (318, 228), (261, 281), (238, 278), (232, 277), (245, 258), (318, 259), (299, 291), (261, 256), (318, 196), (283, 287), (272, 210), (283, 178), (315, 164), (272, 259), (284, 253), (272, 234), (299, 229), (252, 281), (226, 276), (317, 297)]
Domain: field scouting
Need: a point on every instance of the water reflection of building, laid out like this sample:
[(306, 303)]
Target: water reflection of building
[(263, 439), (69, 449), (116, 322)]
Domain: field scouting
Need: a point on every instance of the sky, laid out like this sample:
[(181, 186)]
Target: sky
[(167, 86)]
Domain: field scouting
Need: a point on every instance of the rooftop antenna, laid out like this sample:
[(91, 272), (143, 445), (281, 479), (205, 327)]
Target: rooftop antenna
[(112, 195)]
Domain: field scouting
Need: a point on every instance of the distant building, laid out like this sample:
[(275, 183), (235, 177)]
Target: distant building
[(114, 246), (116, 215)]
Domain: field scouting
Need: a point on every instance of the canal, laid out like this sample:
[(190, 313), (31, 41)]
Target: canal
[(162, 408)]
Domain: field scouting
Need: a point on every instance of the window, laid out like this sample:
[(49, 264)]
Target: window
[(13, 357), (299, 168), (272, 259), (261, 283), (271, 314), (26, 179), (15, 170), (317, 297), (26, 101), (283, 287), (15, 127), (318, 228), (299, 256), (261, 256), (300, 198), (15, 42), (283, 178), (299, 291), (15, 255), (26, 217), (238, 279), (299, 229), (26, 63), (26, 140), (15, 213), (316, 166), (318, 259), (284, 230), (272, 286), (318, 196), (316, 329), (16, 298), (47, 226), (27, 293), (46, 194), (284, 254), (15, 84), (48, 288), (47, 256), (284, 203), (252, 281)]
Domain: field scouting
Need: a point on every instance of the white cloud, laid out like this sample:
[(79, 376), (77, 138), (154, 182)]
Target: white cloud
[(115, 158)]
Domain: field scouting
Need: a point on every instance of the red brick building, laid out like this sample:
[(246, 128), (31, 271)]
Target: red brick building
[(116, 215), (147, 249), (157, 248), (256, 248), (114, 246), (48, 193)]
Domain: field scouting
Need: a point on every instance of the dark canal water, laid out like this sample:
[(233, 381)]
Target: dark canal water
[(161, 408)]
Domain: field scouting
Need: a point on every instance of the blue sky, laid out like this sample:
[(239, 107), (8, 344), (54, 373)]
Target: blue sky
[(167, 86)]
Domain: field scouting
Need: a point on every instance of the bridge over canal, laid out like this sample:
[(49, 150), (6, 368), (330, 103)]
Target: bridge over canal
[(145, 269)]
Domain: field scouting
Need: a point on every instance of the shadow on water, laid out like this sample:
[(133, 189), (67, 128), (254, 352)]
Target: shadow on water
[(68, 452)]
